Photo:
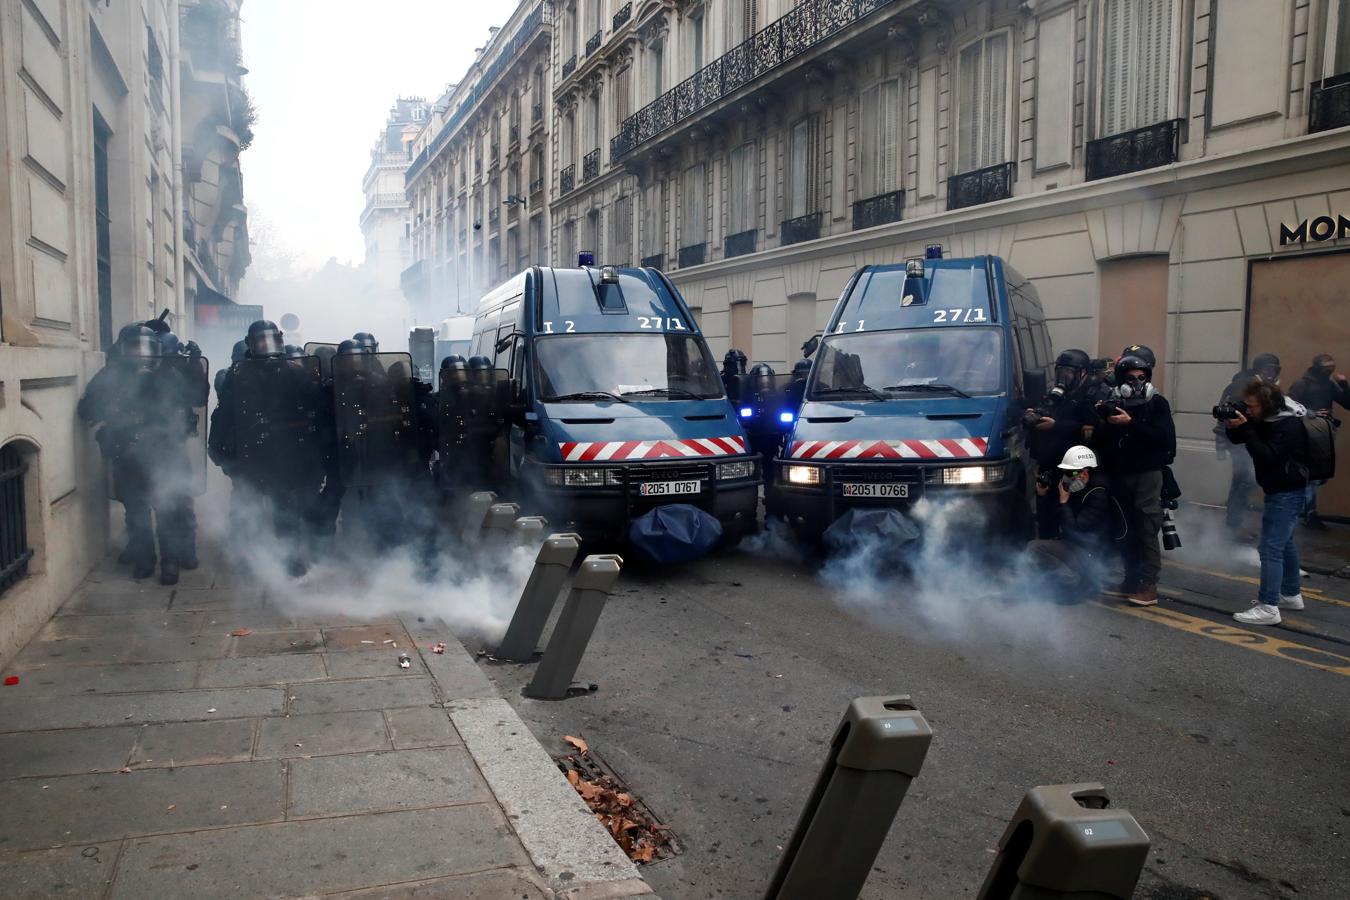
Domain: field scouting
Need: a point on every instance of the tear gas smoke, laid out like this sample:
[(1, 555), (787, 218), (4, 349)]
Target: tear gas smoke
[(1207, 542)]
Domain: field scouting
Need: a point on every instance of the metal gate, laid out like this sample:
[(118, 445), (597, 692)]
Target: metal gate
[(14, 550)]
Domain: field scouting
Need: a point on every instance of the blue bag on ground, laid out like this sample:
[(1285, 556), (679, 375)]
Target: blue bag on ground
[(877, 528), (675, 534)]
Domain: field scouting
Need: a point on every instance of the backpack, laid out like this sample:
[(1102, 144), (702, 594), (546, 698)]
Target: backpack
[(1320, 463)]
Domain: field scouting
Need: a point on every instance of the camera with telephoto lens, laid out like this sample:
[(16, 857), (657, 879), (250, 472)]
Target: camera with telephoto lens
[(1171, 540), (1230, 410), (1046, 410), (1045, 478), (1107, 408)]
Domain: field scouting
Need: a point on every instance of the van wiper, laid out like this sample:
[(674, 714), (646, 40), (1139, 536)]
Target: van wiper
[(586, 395), (854, 390), (665, 391), (931, 388)]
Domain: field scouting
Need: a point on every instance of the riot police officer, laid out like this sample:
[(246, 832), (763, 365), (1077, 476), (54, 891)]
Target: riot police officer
[(733, 372), (759, 393), (142, 411), (1055, 425)]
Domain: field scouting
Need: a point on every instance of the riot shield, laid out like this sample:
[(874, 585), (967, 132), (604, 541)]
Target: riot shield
[(195, 387), (277, 407), (376, 423), (472, 420)]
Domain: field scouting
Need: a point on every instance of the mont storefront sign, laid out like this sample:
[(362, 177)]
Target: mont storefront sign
[(1322, 228)]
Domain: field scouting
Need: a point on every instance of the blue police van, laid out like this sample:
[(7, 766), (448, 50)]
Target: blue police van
[(615, 405), (917, 389)]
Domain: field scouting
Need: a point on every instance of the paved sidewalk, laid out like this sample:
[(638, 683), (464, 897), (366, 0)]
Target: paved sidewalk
[(152, 749)]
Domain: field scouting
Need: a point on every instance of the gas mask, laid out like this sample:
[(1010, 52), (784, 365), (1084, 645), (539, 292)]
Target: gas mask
[(1075, 482)]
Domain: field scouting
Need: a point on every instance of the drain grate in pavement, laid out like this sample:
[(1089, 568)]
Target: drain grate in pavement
[(630, 821)]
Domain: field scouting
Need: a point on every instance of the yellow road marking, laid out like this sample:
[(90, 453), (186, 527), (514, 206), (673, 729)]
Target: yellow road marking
[(1310, 593), (1238, 637)]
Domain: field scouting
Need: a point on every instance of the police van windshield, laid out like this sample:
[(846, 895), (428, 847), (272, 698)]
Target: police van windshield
[(585, 367), (883, 365)]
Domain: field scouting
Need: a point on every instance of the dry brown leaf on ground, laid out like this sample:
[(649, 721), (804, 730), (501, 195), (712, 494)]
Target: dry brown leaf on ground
[(241, 632), (642, 852), (573, 778), (577, 742)]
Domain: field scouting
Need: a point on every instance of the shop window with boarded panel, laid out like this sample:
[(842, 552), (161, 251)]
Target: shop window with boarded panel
[(14, 550), (743, 327), (1296, 310), (1133, 310)]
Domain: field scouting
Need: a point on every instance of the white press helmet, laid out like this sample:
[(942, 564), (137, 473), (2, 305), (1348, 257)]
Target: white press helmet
[(1078, 457)]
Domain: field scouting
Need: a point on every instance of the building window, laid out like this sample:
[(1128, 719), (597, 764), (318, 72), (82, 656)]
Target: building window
[(621, 231), (879, 140), (740, 21), (693, 224), (623, 95), (569, 244), (804, 168), (567, 140), (743, 200), (653, 222), (656, 63), (592, 232), (982, 126), (103, 232), (693, 42), (1136, 64), (14, 550)]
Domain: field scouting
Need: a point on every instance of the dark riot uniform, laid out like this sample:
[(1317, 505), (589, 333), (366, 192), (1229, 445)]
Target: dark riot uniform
[(142, 405)]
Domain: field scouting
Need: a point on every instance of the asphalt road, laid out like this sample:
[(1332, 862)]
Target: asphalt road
[(721, 683)]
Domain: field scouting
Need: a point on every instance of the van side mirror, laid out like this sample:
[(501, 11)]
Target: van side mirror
[(811, 346), (1034, 384)]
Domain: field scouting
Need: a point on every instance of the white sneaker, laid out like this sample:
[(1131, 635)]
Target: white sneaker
[(1259, 614), (1294, 602)]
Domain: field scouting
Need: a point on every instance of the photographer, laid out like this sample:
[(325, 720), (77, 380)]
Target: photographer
[(1135, 441), (1087, 521), (1276, 438), (1055, 426), (1318, 389), (1265, 367)]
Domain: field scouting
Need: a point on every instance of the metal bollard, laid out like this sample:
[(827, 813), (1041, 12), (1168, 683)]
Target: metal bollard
[(536, 601), (592, 586), (500, 518), (876, 752), (1065, 841), (475, 512), (528, 531)]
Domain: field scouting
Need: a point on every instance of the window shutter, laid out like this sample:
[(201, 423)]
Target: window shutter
[(967, 109), (1117, 35), (798, 167), (1154, 28), (1341, 55), (694, 224), (888, 138), (995, 118), (868, 114)]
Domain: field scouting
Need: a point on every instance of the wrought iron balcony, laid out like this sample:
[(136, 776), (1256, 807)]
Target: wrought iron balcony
[(622, 16), (981, 186), (802, 228), (1329, 106), (1134, 151), (536, 186), (693, 255), (655, 261), (593, 42), (567, 180), (536, 114), (570, 66), (876, 210), (590, 165), (739, 244), (809, 23)]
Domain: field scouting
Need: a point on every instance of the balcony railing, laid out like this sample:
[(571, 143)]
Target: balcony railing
[(693, 255), (623, 15), (536, 186), (806, 25), (802, 228), (1134, 151), (536, 114), (570, 66), (567, 179), (740, 243), (1329, 106), (877, 210), (593, 42), (655, 261), (590, 165), (981, 186)]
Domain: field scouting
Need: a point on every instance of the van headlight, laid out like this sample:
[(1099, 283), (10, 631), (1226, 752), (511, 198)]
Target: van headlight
[(581, 476), (802, 475), (743, 468), (969, 475)]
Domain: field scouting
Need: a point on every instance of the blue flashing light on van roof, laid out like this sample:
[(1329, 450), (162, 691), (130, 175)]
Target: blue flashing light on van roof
[(932, 251), (585, 258)]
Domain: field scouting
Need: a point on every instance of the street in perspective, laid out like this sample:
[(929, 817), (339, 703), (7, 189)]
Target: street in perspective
[(591, 449)]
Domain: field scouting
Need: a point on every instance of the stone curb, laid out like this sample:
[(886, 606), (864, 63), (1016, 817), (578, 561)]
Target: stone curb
[(571, 850)]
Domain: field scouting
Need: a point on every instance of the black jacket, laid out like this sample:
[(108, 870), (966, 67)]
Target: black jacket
[(1318, 393), (1089, 520), (1146, 444), (1278, 446), (1048, 447)]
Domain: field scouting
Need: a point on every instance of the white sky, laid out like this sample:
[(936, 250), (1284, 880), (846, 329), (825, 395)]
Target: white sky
[(323, 76)]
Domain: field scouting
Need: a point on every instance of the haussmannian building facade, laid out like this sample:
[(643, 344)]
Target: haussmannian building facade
[(385, 220), (111, 210), (1171, 172), (477, 184)]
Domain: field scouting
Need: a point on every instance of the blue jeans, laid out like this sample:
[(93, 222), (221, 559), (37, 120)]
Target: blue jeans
[(1310, 498), (1279, 556)]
